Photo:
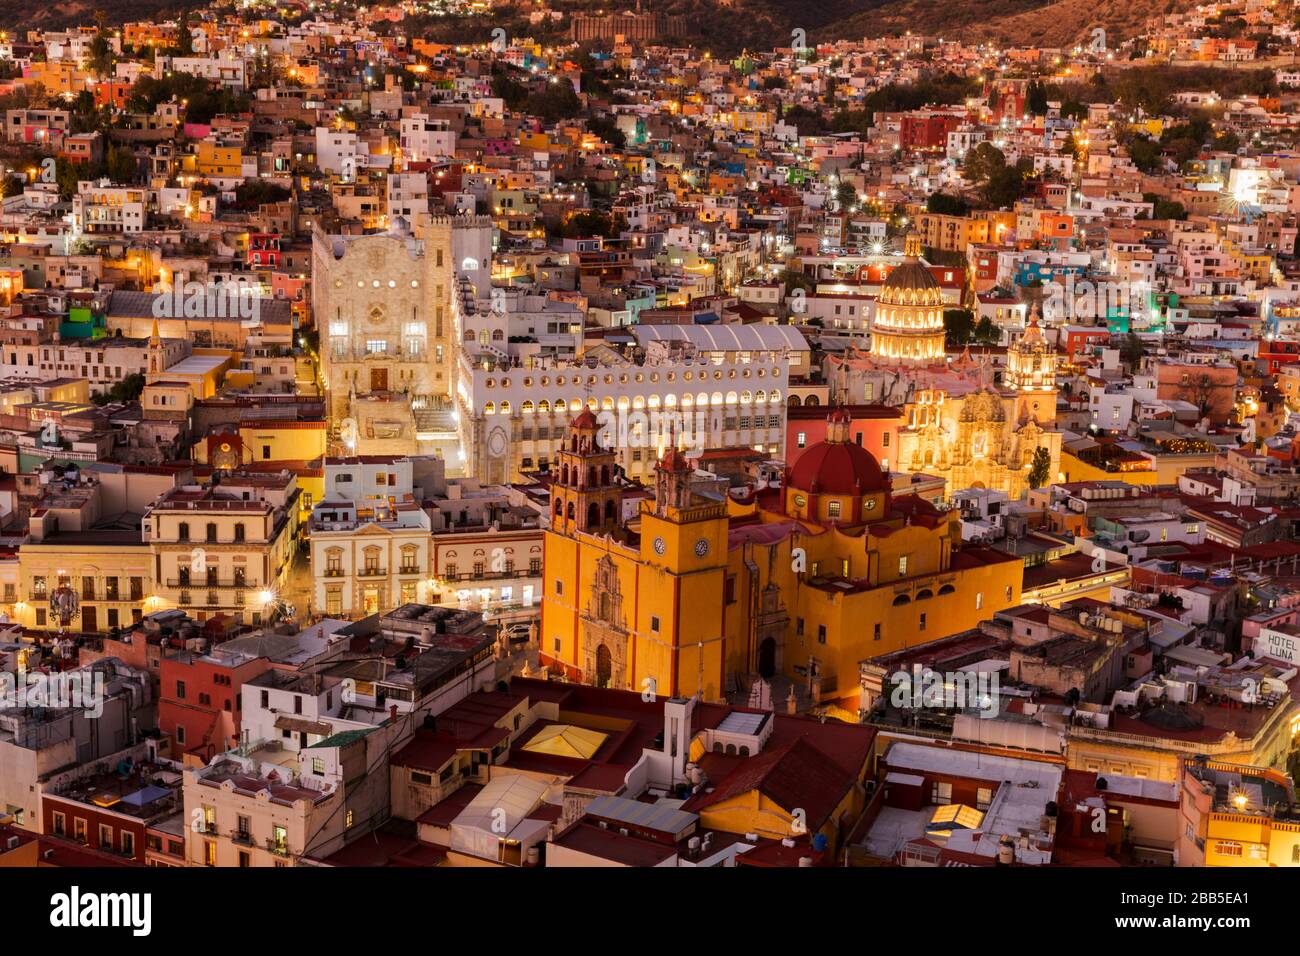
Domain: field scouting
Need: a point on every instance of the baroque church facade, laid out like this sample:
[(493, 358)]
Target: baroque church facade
[(385, 308), (957, 423)]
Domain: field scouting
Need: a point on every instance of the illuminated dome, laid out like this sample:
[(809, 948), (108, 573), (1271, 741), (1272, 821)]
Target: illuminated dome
[(837, 480), (908, 324)]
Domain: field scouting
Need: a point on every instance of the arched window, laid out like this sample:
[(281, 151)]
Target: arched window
[(183, 531), (610, 513), (924, 594), (559, 507), (901, 600), (239, 531), (604, 475), (569, 511), (946, 589), (212, 531), (593, 514)]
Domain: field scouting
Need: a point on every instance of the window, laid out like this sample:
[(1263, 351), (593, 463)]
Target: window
[(821, 633), (832, 509), (106, 836), (979, 600), (875, 636), (654, 623), (801, 439), (317, 766), (920, 626), (210, 853), (902, 565), (180, 690), (350, 820), (983, 797), (941, 794), (60, 824), (128, 843)]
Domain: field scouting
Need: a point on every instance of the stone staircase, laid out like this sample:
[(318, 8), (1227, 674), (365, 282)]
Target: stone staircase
[(435, 418)]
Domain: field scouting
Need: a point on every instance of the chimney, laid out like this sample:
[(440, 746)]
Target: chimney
[(677, 735)]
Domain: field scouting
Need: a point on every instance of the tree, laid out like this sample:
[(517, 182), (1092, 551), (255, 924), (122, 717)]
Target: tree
[(1040, 469), (127, 390), (982, 161), (846, 197), (1165, 208), (945, 205), (1227, 141), (100, 57), (121, 164), (958, 325), (1036, 98), (986, 332), (184, 39), (1004, 187), (1145, 153)]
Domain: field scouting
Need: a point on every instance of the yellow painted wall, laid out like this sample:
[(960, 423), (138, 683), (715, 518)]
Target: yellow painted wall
[(287, 444), (687, 593)]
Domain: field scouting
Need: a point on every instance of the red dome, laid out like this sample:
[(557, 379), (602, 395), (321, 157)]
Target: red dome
[(838, 468), (585, 419)]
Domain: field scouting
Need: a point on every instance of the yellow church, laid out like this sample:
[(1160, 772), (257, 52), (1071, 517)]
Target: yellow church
[(795, 585)]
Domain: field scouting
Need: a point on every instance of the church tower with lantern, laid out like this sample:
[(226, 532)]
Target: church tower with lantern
[(1031, 375), (586, 497)]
